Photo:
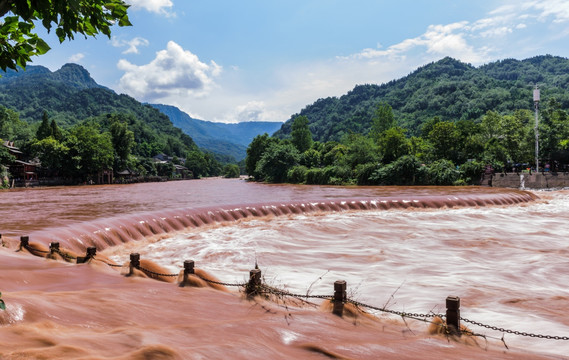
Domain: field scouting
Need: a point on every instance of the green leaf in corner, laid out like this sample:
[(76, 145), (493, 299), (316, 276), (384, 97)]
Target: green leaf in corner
[(2, 305), (42, 47)]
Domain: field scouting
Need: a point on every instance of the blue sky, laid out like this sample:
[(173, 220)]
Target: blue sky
[(251, 60)]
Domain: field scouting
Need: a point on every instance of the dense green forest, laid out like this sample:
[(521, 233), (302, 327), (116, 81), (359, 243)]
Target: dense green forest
[(441, 125), (448, 89), (92, 128)]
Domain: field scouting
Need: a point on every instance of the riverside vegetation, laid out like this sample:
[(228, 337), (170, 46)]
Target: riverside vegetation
[(441, 125), (77, 128)]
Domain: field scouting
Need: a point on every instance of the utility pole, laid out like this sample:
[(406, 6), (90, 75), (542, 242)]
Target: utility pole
[(536, 106)]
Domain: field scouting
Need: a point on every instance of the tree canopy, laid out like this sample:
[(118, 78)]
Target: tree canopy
[(447, 89), (19, 41), (445, 153)]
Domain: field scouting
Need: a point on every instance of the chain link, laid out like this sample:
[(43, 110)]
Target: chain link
[(394, 312), (31, 249), (219, 282), (64, 255), (515, 332), (154, 273), (108, 263), (270, 290)]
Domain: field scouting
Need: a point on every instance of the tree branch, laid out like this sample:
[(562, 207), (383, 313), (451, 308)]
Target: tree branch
[(5, 6)]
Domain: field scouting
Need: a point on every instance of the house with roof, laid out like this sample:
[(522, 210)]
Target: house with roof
[(20, 169)]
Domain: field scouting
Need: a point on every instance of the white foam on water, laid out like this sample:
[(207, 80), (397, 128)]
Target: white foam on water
[(405, 260)]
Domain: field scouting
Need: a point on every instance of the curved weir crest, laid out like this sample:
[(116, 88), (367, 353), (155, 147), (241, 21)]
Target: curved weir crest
[(106, 233)]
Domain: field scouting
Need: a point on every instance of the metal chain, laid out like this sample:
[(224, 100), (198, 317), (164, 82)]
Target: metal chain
[(515, 332), (31, 249), (399, 313), (154, 273), (108, 263), (220, 283), (64, 255), (271, 290)]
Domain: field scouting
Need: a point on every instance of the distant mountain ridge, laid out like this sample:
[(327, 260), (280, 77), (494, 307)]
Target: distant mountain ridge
[(448, 88), (70, 95), (72, 75), (222, 138)]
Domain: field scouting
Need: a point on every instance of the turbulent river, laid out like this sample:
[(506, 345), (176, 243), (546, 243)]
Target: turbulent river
[(505, 253)]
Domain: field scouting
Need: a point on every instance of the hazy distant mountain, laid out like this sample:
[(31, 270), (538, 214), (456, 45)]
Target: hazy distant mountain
[(221, 138)]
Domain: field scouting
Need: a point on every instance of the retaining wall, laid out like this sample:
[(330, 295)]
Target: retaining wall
[(546, 180)]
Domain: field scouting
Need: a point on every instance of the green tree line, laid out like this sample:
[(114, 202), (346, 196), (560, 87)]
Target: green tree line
[(116, 141), (442, 152)]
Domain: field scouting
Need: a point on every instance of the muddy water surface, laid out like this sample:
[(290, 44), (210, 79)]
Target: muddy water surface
[(407, 251)]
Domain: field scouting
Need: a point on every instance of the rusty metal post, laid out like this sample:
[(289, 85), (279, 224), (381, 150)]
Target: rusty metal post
[(453, 314), (53, 247), (340, 297), (134, 262), (24, 241), (254, 282), (188, 269)]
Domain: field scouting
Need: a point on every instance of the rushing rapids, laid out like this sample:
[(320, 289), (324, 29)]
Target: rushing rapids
[(405, 248), (110, 232)]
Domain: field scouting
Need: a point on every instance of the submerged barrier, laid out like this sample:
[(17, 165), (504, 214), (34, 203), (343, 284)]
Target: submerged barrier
[(110, 232), (339, 299)]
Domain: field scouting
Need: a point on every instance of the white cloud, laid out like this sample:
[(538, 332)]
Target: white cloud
[(476, 42), (498, 31), (173, 71), (156, 6), (76, 57), (558, 9), (252, 110), (293, 87), (179, 77), (439, 40), (131, 45), (543, 10)]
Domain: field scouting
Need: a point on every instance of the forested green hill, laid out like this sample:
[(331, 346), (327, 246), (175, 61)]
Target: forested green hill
[(69, 96), (448, 89)]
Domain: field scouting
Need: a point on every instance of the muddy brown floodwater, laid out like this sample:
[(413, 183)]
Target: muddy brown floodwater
[(504, 252)]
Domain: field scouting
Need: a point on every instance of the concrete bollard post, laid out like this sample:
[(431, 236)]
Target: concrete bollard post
[(134, 262), (53, 247), (89, 254), (188, 269), (254, 282), (24, 241), (340, 297), (453, 315)]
